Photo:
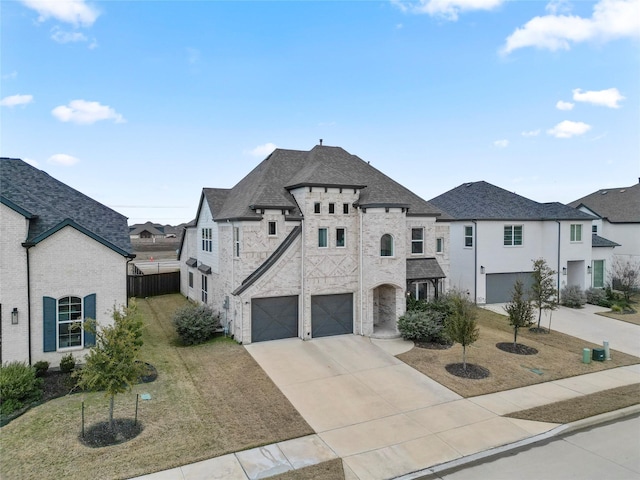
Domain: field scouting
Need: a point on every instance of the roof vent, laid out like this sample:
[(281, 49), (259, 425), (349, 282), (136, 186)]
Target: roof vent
[(604, 192), (320, 142), (469, 184), (623, 190)]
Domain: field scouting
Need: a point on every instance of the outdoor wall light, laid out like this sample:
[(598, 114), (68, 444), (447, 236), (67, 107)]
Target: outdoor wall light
[(589, 270), (482, 269), (14, 316), (564, 270)]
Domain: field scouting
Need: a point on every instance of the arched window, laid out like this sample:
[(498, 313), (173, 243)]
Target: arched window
[(386, 245)]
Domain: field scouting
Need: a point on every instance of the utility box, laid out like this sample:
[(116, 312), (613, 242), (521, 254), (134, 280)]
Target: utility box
[(598, 354), (586, 355)]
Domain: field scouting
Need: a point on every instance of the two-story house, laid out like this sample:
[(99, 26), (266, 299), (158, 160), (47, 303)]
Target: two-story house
[(310, 244), (496, 235)]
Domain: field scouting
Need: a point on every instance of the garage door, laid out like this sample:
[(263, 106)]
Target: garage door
[(331, 314), (273, 318), (500, 285)]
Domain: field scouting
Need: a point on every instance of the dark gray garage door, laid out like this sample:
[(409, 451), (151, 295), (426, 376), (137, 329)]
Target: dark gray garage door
[(273, 318), (500, 285), (331, 314)]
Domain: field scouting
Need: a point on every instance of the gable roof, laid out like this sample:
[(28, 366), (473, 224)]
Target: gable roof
[(617, 205), (51, 205), (598, 241), (152, 228), (270, 183), (484, 201)]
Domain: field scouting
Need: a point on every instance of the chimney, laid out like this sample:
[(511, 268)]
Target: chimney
[(320, 142)]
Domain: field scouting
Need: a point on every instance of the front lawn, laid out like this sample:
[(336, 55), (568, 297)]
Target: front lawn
[(559, 356), (208, 400)]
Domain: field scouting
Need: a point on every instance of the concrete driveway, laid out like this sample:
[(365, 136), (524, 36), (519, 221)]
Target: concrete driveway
[(381, 416)]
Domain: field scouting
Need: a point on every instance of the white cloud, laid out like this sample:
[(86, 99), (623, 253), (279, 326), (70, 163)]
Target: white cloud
[(75, 12), (63, 160), (263, 150), (564, 105), (611, 19), (448, 9), (85, 113), (568, 129), (605, 98), (10, 76), (558, 6), (13, 100), (501, 143), (67, 37), (531, 133)]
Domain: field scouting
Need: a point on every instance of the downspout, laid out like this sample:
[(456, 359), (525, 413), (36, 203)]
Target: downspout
[(361, 275), (558, 222), (127, 277), (28, 246), (475, 261), (302, 290)]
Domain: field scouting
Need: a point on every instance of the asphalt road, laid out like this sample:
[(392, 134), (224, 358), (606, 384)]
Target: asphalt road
[(605, 452)]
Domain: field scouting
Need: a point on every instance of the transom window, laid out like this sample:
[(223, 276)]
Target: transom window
[(513, 235), (439, 245), (576, 232), (417, 240), (322, 238), (468, 236), (207, 243), (341, 237), (273, 229), (386, 245), (69, 322)]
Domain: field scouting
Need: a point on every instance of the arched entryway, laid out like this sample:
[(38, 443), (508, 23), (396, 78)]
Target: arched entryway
[(385, 312)]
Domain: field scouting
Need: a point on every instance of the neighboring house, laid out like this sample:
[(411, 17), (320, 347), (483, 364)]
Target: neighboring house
[(617, 212), (147, 231), (63, 259), (310, 244), (496, 235)]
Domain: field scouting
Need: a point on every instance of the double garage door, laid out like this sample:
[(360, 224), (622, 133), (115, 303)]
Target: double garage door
[(500, 285), (277, 317)]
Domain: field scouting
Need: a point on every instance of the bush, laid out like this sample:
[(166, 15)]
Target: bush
[(422, 326), (67, 363), (597, 296), (41, 368), (19, 386), (195, 324), (572, 296)]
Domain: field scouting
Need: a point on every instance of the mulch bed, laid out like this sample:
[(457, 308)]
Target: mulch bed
[(101, 435), (473, 371), (433, 345), (518, 349)]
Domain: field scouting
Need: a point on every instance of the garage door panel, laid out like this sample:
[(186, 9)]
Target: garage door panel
[(500, 285), (274, 318), (331, 314)]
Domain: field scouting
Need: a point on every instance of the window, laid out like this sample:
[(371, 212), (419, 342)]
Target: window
[(439, 245), (190, 279), (386, 245), (576, 232), (236, 241), (332, 208), (316, 207), (594, 229), (513, 235), (345, 208), (322, 237), (207, 243), (417, 240), (597, 272), (468, 236), (70, 322), (341, 237), (273, 229), (205, 289)]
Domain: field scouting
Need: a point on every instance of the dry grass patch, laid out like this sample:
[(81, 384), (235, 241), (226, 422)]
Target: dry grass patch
[(559, 356), (572, 410), (624, 317), (208, 400), (330, 470)]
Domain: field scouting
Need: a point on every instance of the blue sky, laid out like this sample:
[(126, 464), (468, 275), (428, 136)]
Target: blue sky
[(140, 104)]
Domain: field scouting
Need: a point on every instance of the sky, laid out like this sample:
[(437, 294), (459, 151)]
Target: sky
[(141, 104)]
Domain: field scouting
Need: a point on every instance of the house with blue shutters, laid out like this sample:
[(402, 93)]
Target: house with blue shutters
[(63, 259)]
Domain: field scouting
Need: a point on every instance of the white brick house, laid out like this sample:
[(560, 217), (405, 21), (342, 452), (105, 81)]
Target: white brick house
[(311, 244), (63, 259)]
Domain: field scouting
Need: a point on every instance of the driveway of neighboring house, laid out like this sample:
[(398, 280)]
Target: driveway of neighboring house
[(586, 324), (381, 416)]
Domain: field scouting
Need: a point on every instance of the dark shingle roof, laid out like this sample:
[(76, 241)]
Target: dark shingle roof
[(50, 205), (423, 268), (617, 205), (483, 201), (598, 241), (269, 184)]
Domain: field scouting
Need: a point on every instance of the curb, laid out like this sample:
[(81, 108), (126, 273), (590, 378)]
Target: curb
[(443, 468)]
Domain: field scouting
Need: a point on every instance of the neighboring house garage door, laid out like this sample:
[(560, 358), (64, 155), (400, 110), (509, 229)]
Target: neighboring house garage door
[(331, 314), (500, 285), (273, 318)]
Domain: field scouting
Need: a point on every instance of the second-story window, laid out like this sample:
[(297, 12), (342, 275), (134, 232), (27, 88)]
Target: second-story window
[(273, 229), (512, 235), (341, 237), (236, 242), (316, 207), (439, 245), (322, 238), (576, 232), (345, 208), (207, 242), (468, 236), (417, 240), (332, 208), (386, 245)]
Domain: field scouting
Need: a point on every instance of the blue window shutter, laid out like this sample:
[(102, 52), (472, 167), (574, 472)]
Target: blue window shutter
[(49, 315), (89, 312)]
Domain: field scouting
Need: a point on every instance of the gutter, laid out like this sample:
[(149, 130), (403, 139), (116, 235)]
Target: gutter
[(475, 261), (558, 288)]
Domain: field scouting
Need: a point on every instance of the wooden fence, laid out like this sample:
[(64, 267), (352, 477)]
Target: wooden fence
[(153, 284)]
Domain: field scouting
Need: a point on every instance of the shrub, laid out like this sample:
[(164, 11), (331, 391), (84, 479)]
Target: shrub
[(41, 367), (19, 386), (616, 308), (195, 323), (67, 363), (422, 326), (572, 296), (596, 296)]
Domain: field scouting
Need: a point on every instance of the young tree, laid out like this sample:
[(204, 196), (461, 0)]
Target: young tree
[(112, 364), (460, 325), (519, 309), (544, 293), (625, 276)]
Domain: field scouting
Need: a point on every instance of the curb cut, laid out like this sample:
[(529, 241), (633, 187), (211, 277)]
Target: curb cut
[(431, 472)]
